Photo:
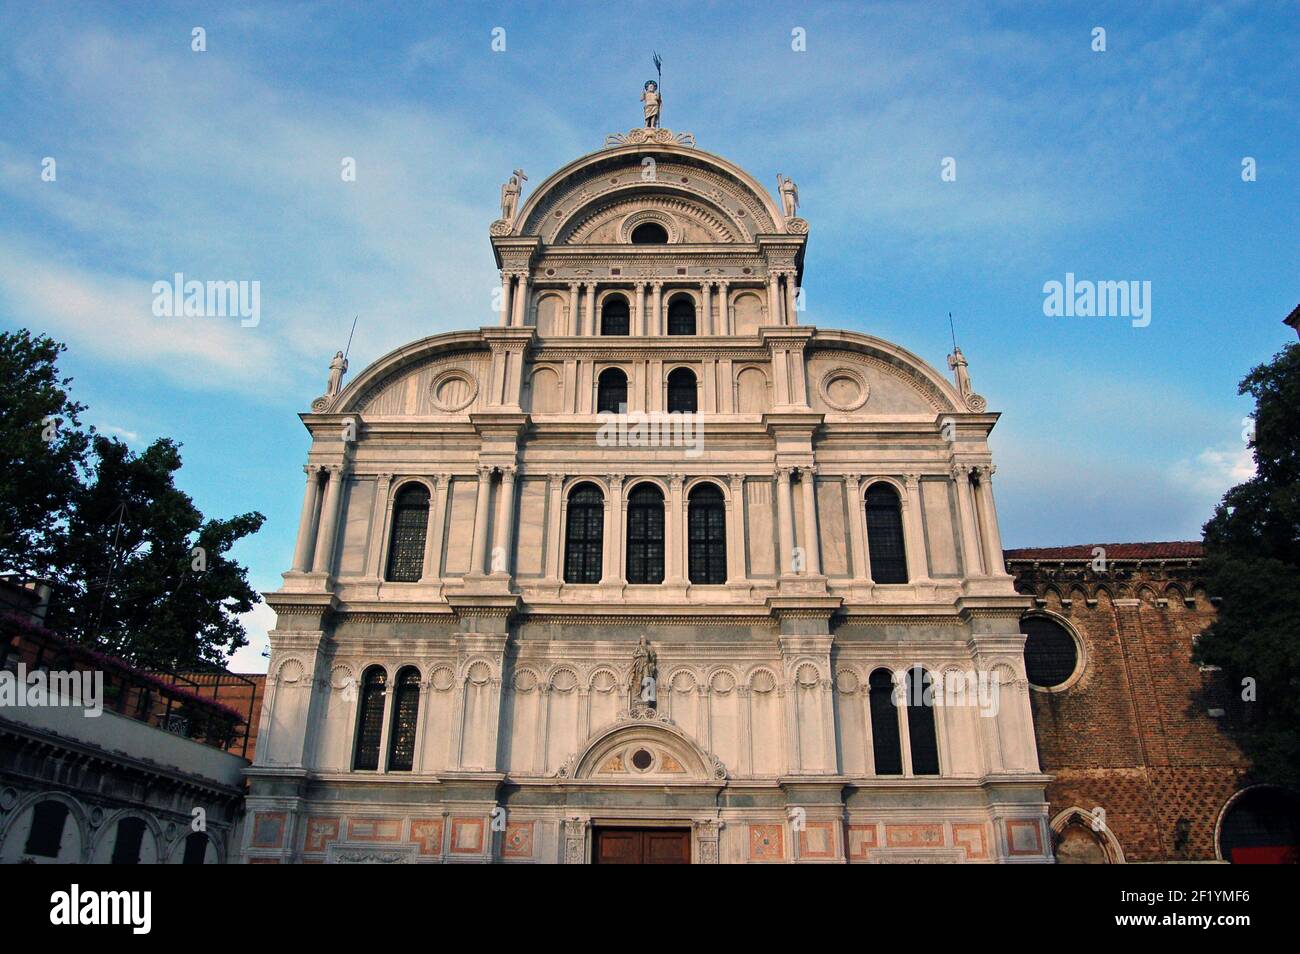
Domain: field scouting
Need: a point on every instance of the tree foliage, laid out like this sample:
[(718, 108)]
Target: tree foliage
[(1252, 563)]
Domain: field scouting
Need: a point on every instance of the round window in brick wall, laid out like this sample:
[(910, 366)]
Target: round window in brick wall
[(1051, 654)]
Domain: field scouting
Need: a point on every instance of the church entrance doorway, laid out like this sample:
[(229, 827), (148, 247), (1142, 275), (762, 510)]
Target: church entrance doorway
[(642, 846)]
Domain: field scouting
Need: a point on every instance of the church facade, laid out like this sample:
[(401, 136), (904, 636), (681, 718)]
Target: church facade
[(648, 570)]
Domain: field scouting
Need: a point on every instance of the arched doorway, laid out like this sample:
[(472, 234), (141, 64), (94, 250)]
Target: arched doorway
[(1260, 826)]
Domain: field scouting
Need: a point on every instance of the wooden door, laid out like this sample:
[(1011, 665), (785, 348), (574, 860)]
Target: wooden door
[(642, 846)]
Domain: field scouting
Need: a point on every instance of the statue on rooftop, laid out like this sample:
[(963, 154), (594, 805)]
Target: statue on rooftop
[(650, 103), (510, 195), (789, 195)]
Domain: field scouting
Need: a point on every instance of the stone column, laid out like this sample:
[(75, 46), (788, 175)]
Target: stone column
[(329, 521), (506, 280), (812, 542), (857, 527), (970, 548), (736, 530), (589, 325), (504, 529), (674, 537), (520, 314), (613, 558), (572, 326), (478, 549), (791, 300), (554, 524), (914, 533), (655, 325), (774, 300), (724, 310), (994, 561), (785, 519), (705, 326), (308, 521), (638, 310), (433, 534)]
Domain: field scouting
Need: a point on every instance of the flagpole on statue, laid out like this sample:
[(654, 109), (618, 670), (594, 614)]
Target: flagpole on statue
[(659, 72)]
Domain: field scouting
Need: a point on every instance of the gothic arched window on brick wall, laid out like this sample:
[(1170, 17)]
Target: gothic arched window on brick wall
[(1051, 654), (885, 534), (707, 535), (885, 743), (584, 537), (406, 713), (683, 394), (611, 392), (681, 316), (920, 722), (406, 543), (614, 315), (370, 719), (645, 535)]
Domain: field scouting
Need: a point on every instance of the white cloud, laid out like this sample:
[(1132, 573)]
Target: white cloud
[(256, 622), (1215, 470)]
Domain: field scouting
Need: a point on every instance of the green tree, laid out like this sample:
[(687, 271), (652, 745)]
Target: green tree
[(1252, 562), (143, 574), (42, 451)]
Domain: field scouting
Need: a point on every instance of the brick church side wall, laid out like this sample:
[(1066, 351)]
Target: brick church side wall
[(1132, 734)]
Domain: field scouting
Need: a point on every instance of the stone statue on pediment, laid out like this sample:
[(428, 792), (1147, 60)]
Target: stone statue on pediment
[(958, 363), (651, 102), (338, 368), (510, 195), (789, 195)]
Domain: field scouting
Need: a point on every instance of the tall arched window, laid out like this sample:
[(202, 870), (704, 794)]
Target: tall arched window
[(46, 834), (410, 523), (370, 719), (707, 535), (196, 849), (614, 315), (611, 392), (885, 744), (920, 723), (681, 316), (406, 712), (584, 538), (885, 534), (645, 535), (130, 839), (682, 392)]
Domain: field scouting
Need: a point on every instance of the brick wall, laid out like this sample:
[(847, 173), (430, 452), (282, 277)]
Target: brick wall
[(1132, 734)]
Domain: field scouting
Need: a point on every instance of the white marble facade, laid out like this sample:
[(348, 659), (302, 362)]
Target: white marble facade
[(760, 740)]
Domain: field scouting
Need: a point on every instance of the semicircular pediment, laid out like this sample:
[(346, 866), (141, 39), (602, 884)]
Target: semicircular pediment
[(649, 750)]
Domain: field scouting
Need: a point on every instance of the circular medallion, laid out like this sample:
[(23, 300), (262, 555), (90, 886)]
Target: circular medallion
[(844, 389), (453, 390)]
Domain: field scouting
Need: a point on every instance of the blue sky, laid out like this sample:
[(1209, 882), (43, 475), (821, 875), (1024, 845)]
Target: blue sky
[(225, 164)]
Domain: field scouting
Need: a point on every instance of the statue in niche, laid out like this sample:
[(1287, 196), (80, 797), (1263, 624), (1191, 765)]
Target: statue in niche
[(645, 673), (510, 195), (338, 368), (650, 103), (789, 195)]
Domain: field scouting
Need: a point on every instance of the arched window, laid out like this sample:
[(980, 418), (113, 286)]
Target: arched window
[(1262, 826), (584, 538), (406, 712), (611, 392), (885, 534), (410, 523), (196, 849), (614, 315), (645, 535), (370, 719), (682, 392), (681, 316), (1051, 655), (885, 744), (707, 535), (130, 839), (920, 723), (46, 833), (649, 233)]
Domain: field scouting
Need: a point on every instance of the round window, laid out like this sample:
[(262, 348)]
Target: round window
[(1051, 654), (642, 760)]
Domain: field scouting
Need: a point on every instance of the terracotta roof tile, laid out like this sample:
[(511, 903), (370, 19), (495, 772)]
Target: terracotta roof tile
[(1174, 550)]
